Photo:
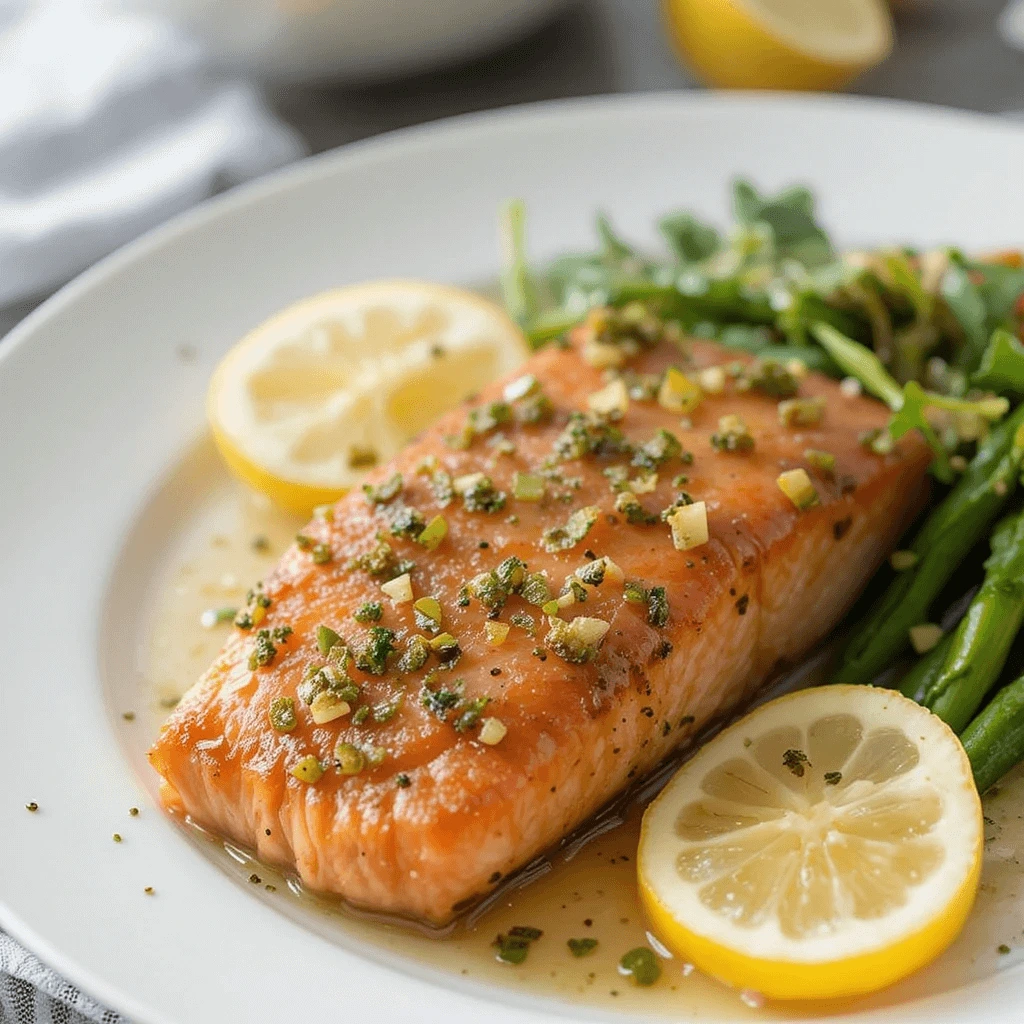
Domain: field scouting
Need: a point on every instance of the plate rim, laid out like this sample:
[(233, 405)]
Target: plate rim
[(323, 165)]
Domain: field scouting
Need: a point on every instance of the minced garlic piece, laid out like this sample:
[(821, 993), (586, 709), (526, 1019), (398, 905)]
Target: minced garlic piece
[(678, 393), (601, 356), (326, 707), (801, 412), (712, 380), (689, 525), (399, 589), (492, 731), (796, 485), (925, 636), (497, 633), (901, 561), (611, 400)]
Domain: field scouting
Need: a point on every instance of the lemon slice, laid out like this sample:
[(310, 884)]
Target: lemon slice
[(339, 382), (780, 44), (826, 845)]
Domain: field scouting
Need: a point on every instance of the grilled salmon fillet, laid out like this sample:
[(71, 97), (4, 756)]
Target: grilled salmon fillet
[(443, 777)]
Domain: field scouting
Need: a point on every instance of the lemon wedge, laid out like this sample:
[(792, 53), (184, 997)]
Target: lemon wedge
[(780, 44), (339, 382), (826, 845)]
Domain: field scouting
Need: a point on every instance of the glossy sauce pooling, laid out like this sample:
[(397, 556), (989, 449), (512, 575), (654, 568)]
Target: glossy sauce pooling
[(586, 892)]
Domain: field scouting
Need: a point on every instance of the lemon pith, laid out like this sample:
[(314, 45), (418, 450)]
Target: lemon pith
[(307, 401), (778, 44), (770, 876)]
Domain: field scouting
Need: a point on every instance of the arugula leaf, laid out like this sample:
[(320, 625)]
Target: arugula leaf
[(690, 239), (790, 218), (1002, 364), (911, 416), (859, 361), (968, 308), (1001, 288), (613, 248), (517, 285)]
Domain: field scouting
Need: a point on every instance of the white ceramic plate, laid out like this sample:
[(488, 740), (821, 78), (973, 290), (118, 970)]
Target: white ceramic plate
[(97, 412)]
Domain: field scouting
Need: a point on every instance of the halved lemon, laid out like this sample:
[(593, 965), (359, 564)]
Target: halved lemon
[(780, 44), (826, 845), (332, 385)]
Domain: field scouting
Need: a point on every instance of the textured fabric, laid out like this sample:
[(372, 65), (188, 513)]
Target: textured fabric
[(110, 123), (30, 993)]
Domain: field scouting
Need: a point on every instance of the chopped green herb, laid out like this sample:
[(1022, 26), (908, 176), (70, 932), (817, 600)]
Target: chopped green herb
[(321, 554), (642, 964), (483, 496), (657, 606), (770, 377), (654, 453), (379, 647), (370, 611), (326, 638), (581, 947), (384, 492), (349, 759), (524, 622), (801, 412), (415, 656), (796, 761), (534, 589), (441, 701), (527, 487), (406, 521), (824, 462), (308, 770), (361, 714), (304, 542), (402, 781), (263, 651), (386, 710), (833, 778), (589, 433), (732, 435), (470, 712), (427, 612), (577, 641), (561, 538), (629, 505), (433, 533), (282, 714)]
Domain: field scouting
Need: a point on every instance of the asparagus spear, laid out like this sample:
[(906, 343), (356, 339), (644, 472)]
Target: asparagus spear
[(941, 544), (994, 741), (920, 678), (983, 638)]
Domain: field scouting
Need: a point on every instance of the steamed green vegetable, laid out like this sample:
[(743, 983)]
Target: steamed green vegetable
[(982, 641), (961, 520), (919, 679), (994, 741)]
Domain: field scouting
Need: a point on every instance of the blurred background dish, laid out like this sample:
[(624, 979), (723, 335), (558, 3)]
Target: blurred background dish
[(348, 40)]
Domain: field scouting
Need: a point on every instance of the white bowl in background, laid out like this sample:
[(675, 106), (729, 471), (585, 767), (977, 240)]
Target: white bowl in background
[(348, 40)]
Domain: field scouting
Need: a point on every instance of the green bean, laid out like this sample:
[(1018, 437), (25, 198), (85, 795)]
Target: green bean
[(920, 677), (945, 539), (982, 641), (994, 741)]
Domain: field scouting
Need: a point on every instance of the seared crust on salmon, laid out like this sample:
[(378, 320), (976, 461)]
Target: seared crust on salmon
[(433, 816)]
